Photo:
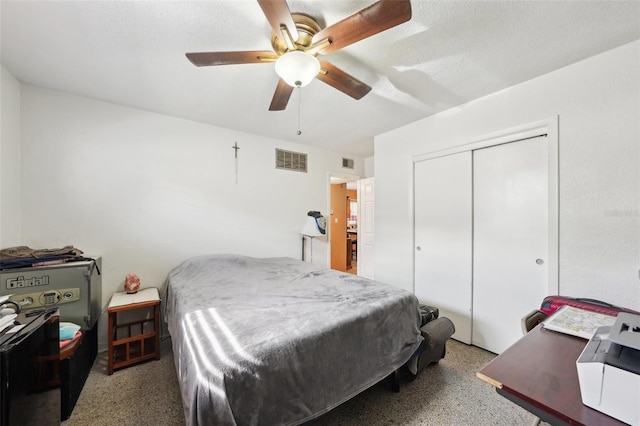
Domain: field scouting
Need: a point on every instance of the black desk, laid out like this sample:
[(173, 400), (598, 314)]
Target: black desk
[(539, 373)]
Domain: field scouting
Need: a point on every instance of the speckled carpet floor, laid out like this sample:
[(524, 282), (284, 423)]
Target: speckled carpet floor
[(447, 393)]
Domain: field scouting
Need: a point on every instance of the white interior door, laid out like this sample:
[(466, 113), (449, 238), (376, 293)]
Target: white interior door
[(443, 230), (510, 239), (365, 255)]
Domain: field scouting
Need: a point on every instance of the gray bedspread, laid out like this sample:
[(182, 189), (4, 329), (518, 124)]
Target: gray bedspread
[(279, 341)]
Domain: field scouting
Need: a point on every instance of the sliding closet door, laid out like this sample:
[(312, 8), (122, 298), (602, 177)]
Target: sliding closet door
[(510, 239), (443, 220)]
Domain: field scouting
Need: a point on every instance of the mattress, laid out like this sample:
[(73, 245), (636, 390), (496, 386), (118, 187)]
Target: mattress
[(279, 341)]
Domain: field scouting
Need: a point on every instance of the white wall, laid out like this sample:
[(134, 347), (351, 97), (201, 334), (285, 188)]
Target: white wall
[(146, 191), (369, 167), (598, 105), (9, 160)]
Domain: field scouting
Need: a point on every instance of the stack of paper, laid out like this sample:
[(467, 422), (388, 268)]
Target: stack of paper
[(577, 322), (6, 321)]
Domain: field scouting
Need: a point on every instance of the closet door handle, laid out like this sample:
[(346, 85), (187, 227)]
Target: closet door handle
[(539, 261), (418, 248)]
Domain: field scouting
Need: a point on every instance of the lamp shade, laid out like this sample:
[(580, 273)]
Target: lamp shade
[(297, 68), (310, 228)]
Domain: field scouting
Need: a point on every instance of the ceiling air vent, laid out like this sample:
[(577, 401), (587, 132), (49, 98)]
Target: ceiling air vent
[(347, 163), (289, 160)]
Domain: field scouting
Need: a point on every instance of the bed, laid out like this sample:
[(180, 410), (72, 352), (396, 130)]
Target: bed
[(279, 341)]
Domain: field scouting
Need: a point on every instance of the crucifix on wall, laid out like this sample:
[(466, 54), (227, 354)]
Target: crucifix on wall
[(236, 148)]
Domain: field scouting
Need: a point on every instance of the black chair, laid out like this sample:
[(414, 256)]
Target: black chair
[(528, 323)]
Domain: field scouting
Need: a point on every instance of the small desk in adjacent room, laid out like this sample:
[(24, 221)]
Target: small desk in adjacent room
[(352, 246), (539, 373)]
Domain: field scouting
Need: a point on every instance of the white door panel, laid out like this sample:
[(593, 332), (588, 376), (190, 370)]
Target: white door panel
[(443, 229), (510, 239), (366, 254)]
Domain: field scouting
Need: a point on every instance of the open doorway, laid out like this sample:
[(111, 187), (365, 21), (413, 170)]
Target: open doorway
[(343, 224)]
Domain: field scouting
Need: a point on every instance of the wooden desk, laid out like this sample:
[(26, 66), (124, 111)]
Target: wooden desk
[(539, 373)]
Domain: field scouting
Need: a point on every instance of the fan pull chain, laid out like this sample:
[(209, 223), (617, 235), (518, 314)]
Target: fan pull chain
[(299, 103)]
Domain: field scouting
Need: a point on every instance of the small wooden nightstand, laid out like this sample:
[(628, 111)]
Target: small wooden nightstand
[(134, 341)]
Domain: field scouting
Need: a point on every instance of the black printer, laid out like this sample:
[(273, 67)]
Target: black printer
[(29, 370)]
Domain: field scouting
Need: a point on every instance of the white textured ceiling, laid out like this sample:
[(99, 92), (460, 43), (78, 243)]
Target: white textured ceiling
[(450, 52)]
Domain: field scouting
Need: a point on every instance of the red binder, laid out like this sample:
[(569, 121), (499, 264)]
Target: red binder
[(552, 303)]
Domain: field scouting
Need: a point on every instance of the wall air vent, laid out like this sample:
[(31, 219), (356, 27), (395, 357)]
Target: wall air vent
[(289, 160), (347, 163)]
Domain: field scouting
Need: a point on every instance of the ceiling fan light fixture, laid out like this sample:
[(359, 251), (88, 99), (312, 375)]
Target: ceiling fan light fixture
[(297, 68)]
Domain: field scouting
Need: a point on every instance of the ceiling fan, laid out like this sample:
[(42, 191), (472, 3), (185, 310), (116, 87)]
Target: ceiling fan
[(297, 40)]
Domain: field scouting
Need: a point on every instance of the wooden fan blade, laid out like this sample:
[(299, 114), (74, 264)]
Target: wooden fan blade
[(369, 21), (335, 77), (278, 14), (281, 96), (204, 59)]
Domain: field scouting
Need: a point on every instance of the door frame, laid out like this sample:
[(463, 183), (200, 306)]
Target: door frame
[(548, 127), (331, 179)]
